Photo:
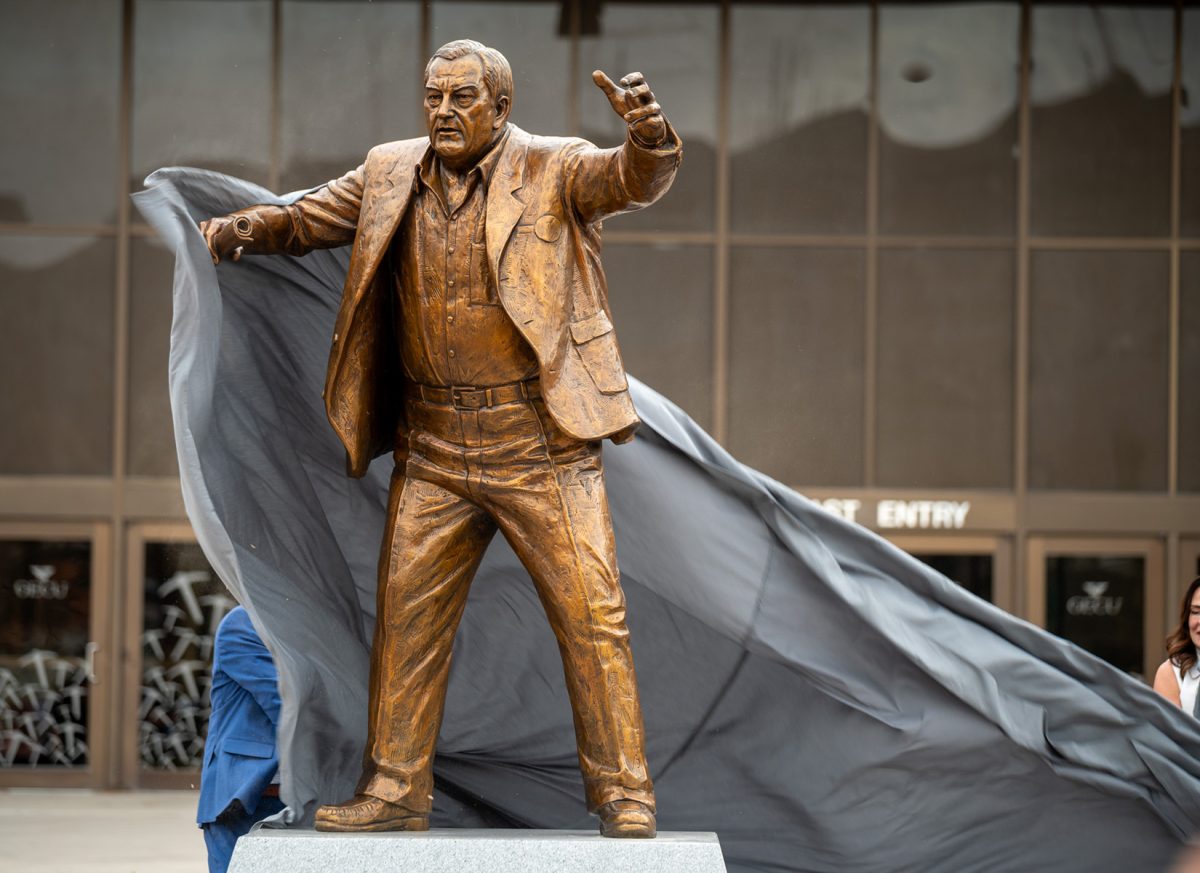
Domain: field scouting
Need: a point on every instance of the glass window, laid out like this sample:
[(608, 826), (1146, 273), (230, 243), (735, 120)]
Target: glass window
[(351, 80), (1101, 149), (45, 660), (1189, 372), (973, 572), (529, 36), (796, 363), (151, 432), (56, 357), (945, 369), (59, 81), (1098, 370), (1189, 119), (798, 119), (1097, 603), (662, 304), (948, 118), (201, 87), (183, 602), (675, 46)]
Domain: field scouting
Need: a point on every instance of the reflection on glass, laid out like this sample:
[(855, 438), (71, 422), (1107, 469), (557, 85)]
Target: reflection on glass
[(675, 47), (798, 119), (1098, 370), (1189, 371), (1101, 127), (151, 433), (1097, 602), (350, 81), (1189, 119), (945, 368), (796, 363), (201, 86), (973, 572), (45, 659), (662, 305), (948, 118), (56, 305), (59, 81), (528, 35), (183, 603)]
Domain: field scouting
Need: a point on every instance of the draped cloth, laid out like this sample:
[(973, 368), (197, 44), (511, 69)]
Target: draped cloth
[(819, 698)]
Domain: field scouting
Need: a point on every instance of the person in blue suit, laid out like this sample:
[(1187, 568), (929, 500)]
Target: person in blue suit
[(240, 762)]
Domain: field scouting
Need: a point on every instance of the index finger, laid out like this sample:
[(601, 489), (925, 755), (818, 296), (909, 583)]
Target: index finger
[(604, 83)]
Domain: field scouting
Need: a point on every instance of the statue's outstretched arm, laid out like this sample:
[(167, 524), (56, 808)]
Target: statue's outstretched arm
[(322, 219), (604, 182)]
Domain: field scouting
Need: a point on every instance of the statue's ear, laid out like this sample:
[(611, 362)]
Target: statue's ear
[(503, 107)]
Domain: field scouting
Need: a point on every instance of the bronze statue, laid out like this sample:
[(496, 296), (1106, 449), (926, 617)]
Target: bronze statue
[(474, 339)]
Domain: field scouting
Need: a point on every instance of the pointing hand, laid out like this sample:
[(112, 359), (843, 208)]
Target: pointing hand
[(633, 100)]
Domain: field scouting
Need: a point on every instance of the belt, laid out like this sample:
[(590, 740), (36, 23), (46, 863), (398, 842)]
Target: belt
[(465, 397)]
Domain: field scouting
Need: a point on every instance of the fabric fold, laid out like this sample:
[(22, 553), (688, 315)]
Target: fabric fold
[(818, 697)]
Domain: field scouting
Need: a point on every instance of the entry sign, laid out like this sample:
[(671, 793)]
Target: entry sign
[(922, 514), (904, 514)]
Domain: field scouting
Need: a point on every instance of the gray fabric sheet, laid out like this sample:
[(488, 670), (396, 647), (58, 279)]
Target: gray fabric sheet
[(813, 694)]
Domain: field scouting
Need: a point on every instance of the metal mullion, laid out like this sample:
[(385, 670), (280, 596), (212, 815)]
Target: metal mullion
[(1021, 316), (276, 105), (425, 37), (1172, 569), (721, 257), (574, 60), (895, 241), (1098, 243), (1174, 291), (120, 409), (871, 302), (660, 237), (12, 228)]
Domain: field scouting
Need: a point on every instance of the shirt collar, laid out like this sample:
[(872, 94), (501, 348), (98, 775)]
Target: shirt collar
[(429, 166)]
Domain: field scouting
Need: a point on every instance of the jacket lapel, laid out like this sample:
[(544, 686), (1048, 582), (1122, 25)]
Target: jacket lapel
[(504, 206)]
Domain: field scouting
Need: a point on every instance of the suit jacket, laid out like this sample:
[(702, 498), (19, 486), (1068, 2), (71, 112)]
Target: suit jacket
[(239, 754), (546, 200)]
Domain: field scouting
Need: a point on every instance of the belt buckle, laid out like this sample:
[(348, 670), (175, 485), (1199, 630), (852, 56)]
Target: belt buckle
[(459, 397)]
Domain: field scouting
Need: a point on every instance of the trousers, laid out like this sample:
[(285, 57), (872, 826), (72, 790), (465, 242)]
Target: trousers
[(470, 472), (221, 836)]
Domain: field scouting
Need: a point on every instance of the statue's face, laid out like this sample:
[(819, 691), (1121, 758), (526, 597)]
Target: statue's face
[(463, 118)]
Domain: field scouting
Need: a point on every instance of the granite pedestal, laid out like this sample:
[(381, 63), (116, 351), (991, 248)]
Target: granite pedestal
[(474, 851)]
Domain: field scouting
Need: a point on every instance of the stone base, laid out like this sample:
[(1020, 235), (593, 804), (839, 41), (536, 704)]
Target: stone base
[(474, 851)]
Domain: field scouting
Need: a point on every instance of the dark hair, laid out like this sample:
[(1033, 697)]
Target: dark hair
[(1181, 651), (497, 74)]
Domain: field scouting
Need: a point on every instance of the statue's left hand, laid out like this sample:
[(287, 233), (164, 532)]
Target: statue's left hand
[(634, 101)]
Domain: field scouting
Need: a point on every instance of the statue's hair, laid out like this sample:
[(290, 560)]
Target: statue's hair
[(497, 74)]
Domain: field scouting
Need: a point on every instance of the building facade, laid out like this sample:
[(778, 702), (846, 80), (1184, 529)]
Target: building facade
[(942, 261)]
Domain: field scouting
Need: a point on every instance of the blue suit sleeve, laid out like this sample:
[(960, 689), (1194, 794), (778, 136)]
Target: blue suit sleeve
[(245, 659)]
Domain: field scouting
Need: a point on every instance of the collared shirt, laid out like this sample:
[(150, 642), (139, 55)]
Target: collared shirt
[(452, 328)]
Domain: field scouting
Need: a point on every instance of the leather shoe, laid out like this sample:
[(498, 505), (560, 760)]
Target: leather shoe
[(626, 818), (367, 813)]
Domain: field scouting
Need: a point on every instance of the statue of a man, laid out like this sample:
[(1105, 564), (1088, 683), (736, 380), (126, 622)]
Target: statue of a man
[(474, 339)]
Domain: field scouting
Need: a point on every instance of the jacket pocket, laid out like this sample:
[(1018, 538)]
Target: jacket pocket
[(248, 748), (597, 346)]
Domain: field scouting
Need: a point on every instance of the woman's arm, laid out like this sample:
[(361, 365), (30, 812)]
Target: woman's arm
[(1166, 682)]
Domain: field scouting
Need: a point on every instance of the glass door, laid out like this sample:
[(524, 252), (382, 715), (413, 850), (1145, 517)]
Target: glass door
[(54, 664), (1104, 595), (175, 602), (982, 565)]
